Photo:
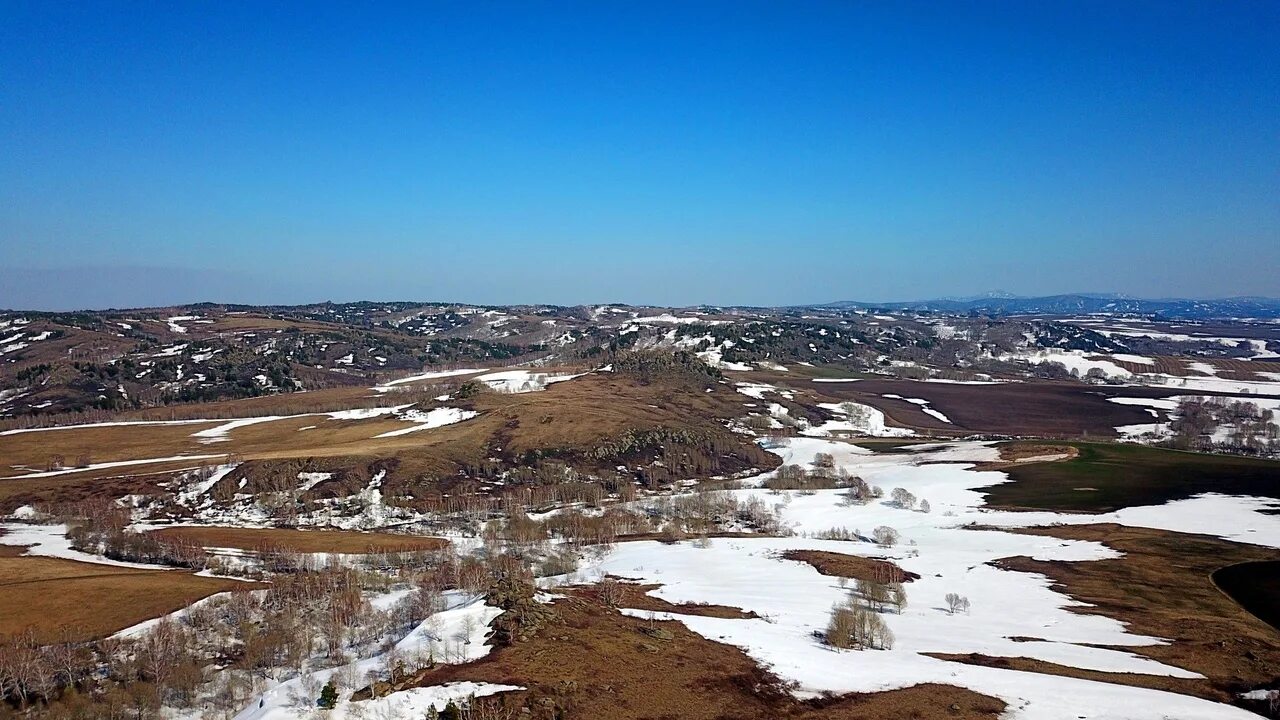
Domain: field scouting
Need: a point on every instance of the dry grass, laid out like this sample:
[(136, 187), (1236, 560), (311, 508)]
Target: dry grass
[(1184, 686), (1243, 369), (600, 665), (250, 322), (79, 486), (1044, 409), (637, 597), (1230, 368), (1163, 364), (303, 541), (1161, 586), (567, 417), (90, 600), (575, 414), (851, 566), (101, 444), (1030, 452)]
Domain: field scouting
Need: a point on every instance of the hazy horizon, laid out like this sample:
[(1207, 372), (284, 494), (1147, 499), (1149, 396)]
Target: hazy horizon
[(173, 285)]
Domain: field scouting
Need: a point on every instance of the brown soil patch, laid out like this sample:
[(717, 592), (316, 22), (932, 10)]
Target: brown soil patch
[(1234, 369), (1028, 453), (91, 600), (1164, 364), (1162, 587), (1015, 452), (1043, 409), (303, 541), (1229, 368), (852, 566), (1184, 686), (597, 664), (637, 597)]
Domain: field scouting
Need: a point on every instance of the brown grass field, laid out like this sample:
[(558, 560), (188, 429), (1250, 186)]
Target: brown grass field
[(65, 599), (1029, 451), (1244, 369), (101, 445), (1184, 686), (1047, 409), (636, 597), (598, 664), (1162, 587), (1163, 364), (1229, 368), (303, 541), (567, 416), (79, 486), (850, 566)]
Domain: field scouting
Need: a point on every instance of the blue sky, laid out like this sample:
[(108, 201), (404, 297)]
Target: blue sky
[(693, 152)]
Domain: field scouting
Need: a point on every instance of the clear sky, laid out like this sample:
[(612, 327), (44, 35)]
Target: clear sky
[(691, 152)]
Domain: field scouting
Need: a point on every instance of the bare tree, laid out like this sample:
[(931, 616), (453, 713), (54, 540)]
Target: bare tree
[(898, 596), (876, 594), (611, 591), (903, 498), (885, 536), (956, 602), (853, 626)]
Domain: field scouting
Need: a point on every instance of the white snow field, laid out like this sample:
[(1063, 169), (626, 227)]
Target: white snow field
[(51, 541), (865, 420), (389, 386), (1077, 360), (794, 600), (1083, 362), (521, 381), (439, 417)]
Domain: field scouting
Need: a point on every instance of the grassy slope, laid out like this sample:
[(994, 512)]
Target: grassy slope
[(1161, 586), (304, 541), (1119, 476), (568, 417), (92, 600)]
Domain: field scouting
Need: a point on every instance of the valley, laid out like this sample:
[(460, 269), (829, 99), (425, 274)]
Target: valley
[(818, 513)]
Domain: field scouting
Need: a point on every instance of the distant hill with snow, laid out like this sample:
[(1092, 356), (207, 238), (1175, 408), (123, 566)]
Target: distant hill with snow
[(1077, 304)]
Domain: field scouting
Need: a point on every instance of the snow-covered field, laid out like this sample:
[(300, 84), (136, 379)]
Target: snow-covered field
[(794, 600), (1013, 614), (520, 381), (860, 419), (435, 375), (439, 417), (51, 541)]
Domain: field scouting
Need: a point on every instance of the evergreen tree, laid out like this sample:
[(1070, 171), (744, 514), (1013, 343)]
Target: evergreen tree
[(451, 712), (328, 696)]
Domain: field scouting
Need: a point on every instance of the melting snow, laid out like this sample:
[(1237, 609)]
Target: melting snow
[(438, 417), (794, 600)]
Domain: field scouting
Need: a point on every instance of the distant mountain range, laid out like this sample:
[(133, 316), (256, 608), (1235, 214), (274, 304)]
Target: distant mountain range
[(999, 303)]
